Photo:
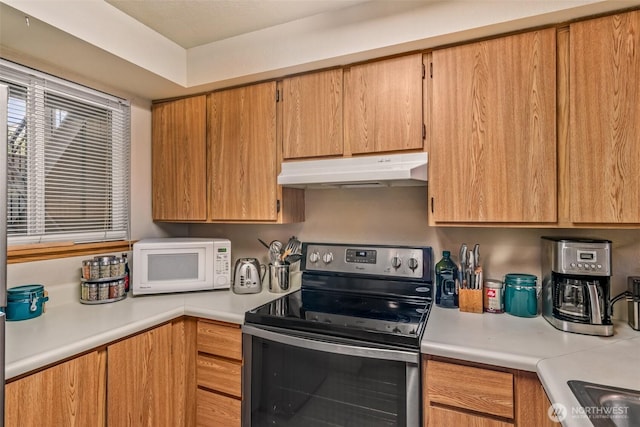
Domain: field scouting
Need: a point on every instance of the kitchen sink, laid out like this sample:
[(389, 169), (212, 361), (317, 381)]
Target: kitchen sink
[(607, 406)]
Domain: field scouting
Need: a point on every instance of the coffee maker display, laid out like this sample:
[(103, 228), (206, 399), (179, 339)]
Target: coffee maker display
[(576, 275)]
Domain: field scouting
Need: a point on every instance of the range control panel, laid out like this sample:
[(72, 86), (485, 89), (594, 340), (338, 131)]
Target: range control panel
[(394, 261)]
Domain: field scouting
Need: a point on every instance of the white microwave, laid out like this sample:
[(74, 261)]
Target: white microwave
[(172, 264)]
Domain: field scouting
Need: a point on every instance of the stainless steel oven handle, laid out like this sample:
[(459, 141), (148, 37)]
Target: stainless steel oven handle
[(334, 347)]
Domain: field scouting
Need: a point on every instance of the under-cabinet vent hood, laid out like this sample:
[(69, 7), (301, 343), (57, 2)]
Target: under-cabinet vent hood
[(356, 172)]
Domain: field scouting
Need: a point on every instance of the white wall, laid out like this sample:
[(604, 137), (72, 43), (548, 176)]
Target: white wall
[(398, 216)]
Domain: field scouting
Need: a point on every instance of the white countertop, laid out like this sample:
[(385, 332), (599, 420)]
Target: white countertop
[(529, 344), (69, 328)]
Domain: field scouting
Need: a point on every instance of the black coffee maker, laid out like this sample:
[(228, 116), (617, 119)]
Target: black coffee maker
[(576, 284)]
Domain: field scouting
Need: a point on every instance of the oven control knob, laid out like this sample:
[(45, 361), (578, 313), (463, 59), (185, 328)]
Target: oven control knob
[(413, 263), (396, 262), (314, 257), (327, 257)]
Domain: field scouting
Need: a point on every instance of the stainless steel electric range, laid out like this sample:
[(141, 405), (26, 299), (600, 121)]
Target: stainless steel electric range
[(344, 350)]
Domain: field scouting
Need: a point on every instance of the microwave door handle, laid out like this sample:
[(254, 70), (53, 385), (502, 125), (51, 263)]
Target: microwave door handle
[(332, 347)]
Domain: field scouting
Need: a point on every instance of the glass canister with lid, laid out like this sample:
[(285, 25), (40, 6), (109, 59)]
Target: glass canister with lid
[(521, 294)]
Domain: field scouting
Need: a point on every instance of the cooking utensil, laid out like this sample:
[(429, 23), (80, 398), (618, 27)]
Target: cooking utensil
[(293, 258), (263, 243), (293, 245), (275, 248), (463, 265), (471, 267)]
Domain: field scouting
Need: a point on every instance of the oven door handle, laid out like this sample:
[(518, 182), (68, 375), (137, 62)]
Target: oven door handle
[(334, 347)]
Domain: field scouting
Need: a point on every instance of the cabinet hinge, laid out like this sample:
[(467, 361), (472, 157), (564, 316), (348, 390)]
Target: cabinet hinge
[(431, 69), (278, 206), (277, 95)]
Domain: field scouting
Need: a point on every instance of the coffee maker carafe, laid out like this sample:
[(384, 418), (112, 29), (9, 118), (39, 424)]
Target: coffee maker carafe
[(576, 277)]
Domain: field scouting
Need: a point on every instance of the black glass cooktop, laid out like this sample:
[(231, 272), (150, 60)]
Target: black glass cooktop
[(387, 319)]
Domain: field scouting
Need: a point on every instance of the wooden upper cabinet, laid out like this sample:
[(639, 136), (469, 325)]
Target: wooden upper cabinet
[(178, 160), (383, 105), (493, 140), (312, 115), (604, 127), (242, 154)]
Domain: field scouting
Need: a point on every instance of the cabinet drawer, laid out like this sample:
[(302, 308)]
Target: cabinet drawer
[(470, 388), (220, 374), (446, 417), (216, 410), (221, 340)]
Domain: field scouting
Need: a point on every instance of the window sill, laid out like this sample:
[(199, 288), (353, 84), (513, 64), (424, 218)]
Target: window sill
[(45, 251)]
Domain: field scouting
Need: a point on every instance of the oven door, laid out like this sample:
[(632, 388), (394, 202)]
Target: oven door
[(305, 380)]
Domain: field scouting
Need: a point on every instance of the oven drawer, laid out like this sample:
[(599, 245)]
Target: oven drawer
[(215, 410), (220, 374), (475, 389), (220, 339)]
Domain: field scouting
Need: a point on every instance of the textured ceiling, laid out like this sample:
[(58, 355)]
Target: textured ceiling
[(191, 23)]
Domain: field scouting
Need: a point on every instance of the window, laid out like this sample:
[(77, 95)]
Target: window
[(68, 160)]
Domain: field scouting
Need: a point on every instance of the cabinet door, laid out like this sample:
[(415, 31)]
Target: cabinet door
[(312, 115), (243, 154), (139, 380), (383, 105), (216, 410), (178, 160), (604, 135), (493, 141), (68, 394)]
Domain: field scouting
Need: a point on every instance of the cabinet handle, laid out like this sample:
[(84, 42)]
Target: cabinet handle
[(432, 205), (278, 206)]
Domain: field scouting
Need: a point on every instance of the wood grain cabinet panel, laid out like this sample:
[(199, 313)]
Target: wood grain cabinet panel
[(456, 394), (71, 393), (220, 374), (441, 417), (604, 127), (242, 155), (139, 380), (493, 131), (216, 410), (220, 339), (178, 160), (475, 389), (312, 115), (383, 105)]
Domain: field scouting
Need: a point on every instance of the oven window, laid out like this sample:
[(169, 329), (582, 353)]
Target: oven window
[(292, 386)]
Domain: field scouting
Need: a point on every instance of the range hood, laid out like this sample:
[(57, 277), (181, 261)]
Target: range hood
[(356, 172)]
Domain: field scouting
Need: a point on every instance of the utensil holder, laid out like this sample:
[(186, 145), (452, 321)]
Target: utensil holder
[(470, 300), (279, 275)]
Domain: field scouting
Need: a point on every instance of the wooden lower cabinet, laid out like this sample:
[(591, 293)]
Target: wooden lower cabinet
[(68, 394), (461, 393), (219, 374), (446, 417), (148, 379), (217, 410)]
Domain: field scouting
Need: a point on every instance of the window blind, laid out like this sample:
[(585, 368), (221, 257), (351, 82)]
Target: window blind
[(68, 160)]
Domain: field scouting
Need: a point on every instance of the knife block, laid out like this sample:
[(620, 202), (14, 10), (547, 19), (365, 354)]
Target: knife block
[(470, 300)]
